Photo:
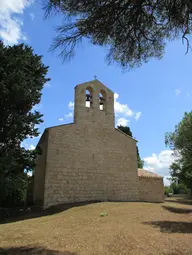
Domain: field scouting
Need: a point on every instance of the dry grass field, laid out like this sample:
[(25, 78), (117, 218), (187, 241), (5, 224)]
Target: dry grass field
[(127, 229)]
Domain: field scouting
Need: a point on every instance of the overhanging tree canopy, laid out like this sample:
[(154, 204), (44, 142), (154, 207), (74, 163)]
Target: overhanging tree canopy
[(134, 30)]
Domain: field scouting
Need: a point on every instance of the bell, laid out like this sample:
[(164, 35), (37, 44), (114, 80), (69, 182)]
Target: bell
[(101, 100), (88, 97)]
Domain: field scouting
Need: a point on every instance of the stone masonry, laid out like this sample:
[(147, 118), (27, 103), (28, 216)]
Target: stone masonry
[(151, 188), (89, 159)]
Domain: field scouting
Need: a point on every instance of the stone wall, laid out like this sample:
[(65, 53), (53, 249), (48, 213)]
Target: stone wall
[(151, 189), (89, 162), (89, 159), (84, 115), (39, 174)]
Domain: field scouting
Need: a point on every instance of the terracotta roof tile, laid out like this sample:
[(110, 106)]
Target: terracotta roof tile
[(148, 174)]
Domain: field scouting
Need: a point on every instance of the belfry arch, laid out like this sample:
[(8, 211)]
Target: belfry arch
[(88, 97), (94, 103), (102, 100)]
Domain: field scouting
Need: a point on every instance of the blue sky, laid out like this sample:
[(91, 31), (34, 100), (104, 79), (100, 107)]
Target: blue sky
[(151, 99)]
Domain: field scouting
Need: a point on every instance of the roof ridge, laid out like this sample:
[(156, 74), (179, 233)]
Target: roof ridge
[(148, 174)]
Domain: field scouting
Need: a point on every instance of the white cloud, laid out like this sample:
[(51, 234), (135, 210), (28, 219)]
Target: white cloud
[(137, 115), (37, 107), (37, 137), (122, 122), (47, 85), (116, 96), (31, 147), (71, 105), (159, 163), (32, 16), (124, 111), (66, 116), (69, 115), (30, 173), (27, 146), (11, 25), (122, 108), (34, 137), (177, 92), (166, 180)]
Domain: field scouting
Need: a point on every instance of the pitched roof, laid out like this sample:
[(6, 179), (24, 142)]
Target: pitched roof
[(97, 82), (117, 129), (148, 174)]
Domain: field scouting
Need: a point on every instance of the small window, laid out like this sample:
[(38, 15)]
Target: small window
[(88, 97)]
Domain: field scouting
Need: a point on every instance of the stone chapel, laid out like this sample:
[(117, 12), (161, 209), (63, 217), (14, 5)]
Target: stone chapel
[(90, 159)]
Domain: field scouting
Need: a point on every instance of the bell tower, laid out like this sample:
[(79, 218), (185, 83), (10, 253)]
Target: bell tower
[(94, 103)]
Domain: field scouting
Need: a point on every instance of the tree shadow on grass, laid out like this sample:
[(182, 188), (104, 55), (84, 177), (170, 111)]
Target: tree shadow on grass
[(183, 201), (35, 212), (32, 251), (172, 226), (177, 210)]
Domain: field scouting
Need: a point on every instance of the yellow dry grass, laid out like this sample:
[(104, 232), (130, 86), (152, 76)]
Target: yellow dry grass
[(128, 229)]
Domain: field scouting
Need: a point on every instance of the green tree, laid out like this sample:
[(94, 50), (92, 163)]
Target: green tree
[(134, 31), (167, 190), (174, 187), (22, 78), (126, 130), (178, 188), (180, 141)]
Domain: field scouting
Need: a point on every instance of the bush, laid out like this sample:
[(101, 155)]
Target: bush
[(183, 189), (175, 188), (179, 188), (14, 190), (167, 190)]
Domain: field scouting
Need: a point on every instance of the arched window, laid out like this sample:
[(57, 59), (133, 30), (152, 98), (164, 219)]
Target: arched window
[(102, 100), (88, 97)]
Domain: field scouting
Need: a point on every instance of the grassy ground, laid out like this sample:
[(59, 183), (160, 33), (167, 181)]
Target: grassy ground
[(128, 228)]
